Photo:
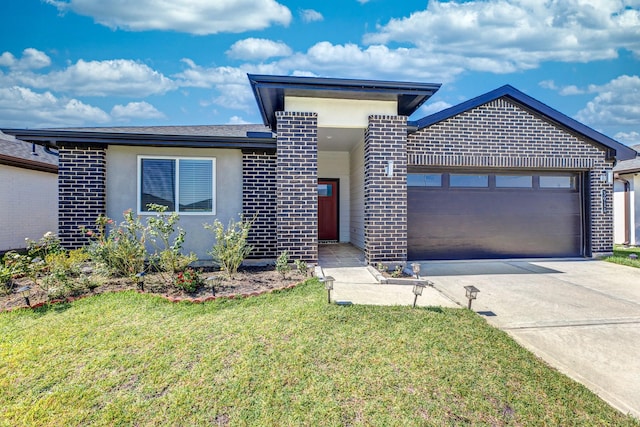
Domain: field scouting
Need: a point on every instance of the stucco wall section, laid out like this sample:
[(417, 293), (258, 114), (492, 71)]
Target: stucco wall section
[(502, 134), (356, 164), (122, 173), (28, 205)]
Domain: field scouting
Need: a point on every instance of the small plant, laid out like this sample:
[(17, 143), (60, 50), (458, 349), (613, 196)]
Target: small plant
[(168, 254), (231, 247), (49, 243), (282, 264), (301, 266), (188, 280), (381, 267), (397, 272)]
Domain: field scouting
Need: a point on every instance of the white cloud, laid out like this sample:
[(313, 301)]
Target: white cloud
[(431, 108), (22, 107), (189, 16), (136, 110), (32, 59), (258, 49), (236, 120), (509, 35), (629, 138), (310, 15), (119, 77), (616, 103)]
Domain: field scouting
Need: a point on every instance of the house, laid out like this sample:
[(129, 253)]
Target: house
[(498, 176), (626, 195), (28, 192)]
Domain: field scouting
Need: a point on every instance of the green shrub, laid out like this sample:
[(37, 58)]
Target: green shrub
[(301, 266), (48, 244), (188, 280), (282, 264), (67, 262), (231, 247), (168, 254)]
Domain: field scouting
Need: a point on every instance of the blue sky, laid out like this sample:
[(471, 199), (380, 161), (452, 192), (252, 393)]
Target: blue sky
[(69, 63)]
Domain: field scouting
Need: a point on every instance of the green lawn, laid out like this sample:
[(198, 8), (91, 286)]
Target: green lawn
[(621, 256), (279, 359)]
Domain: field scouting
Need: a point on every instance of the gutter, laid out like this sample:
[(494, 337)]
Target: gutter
[(28, 164), (627, 209)]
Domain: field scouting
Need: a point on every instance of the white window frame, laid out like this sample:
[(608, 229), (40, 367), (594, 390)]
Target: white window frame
[(177, 159)]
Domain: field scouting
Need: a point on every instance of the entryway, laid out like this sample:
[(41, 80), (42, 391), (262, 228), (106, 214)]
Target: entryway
[(328, 211)]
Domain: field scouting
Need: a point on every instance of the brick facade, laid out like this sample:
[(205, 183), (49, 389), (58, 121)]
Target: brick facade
[(81, 191), (259, 201), (501, 134), (297, 185), (385, 197)]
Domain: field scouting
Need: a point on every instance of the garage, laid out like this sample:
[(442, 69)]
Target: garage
[(488, 214)]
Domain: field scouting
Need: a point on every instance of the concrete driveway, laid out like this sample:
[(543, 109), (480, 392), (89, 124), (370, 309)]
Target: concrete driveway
[(580, 316)]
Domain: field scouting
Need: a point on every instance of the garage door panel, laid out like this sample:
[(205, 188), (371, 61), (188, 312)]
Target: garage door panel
[(454, 223)]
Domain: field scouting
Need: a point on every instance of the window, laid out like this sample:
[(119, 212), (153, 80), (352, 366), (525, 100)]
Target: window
[(514, 181), (424, 180), (325, 190), (184, 185), (468, 180), (558, 181)]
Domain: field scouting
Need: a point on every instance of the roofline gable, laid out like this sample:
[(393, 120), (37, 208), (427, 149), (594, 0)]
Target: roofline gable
[(620, 151)]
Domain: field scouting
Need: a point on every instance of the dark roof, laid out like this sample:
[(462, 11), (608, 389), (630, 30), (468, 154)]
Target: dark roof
[(631, 165), (620, 151), (270, 92), (215, 136), (14, 152)]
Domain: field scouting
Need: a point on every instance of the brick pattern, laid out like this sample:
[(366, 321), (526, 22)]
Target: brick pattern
[(259, 201), (385, 197), (501, 134), (297, 185), (81, 191)]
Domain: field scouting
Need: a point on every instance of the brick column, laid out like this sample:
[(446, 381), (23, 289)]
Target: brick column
[(601, 210), (81, 191), (259, 201), (297, 185), (385, 197)]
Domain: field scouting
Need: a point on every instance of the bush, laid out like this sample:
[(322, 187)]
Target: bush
[(231, 247), (168, 255), (301, 266), (282, 264), (67, 262), (188, 280), (48, 244)]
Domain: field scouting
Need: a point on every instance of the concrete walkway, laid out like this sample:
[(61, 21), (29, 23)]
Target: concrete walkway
[(580, 316)]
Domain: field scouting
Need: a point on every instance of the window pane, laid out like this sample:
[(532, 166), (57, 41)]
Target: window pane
[(424, 180), (514, 181), (556, 181), (196, 185), (325, 190), (468, 180), (158, 183)]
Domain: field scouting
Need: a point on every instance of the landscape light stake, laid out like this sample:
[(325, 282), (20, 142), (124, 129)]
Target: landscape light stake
[(415, 267), (328, 285), (140, 280), (25, 291), (471, 293), (212, 280), (417, 291)]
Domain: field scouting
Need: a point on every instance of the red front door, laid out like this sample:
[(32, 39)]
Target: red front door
[(327, 209)]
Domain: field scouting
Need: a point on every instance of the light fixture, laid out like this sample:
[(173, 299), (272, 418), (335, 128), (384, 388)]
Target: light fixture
[(607, 176), (212, 281), (25, 291), (140, 280), (328, 285), (417, 291), (389, 168), (415, 268), (471, 293)]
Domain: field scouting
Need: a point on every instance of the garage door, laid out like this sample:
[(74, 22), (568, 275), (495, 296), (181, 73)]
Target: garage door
[(455, 215)]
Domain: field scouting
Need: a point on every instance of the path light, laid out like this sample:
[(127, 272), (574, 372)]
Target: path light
[(415, 267), (140, 280), (472, 293), (25, 291), (212, 281), (417, 291), (328, 285)]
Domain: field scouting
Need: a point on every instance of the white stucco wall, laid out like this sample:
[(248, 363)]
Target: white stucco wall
[(28, 205), (122, 189), (356, 231), (335, 164), (337, 113), (618, 210)]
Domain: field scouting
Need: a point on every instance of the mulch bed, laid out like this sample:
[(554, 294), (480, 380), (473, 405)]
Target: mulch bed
[(249, 281)]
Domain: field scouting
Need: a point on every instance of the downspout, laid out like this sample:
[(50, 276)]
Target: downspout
[(627, 210)]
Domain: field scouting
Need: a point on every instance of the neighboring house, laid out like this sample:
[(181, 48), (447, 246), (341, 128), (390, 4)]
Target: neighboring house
[(499, 176), (28, 192), (627, 201)]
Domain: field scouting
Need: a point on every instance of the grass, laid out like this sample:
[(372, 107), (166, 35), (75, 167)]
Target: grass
[(279, 359), (621, 256)]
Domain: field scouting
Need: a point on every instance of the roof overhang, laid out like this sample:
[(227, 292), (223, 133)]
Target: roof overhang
[(55, 138), (270, 92)]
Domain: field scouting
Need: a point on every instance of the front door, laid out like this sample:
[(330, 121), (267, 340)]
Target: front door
[(328, 209)]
